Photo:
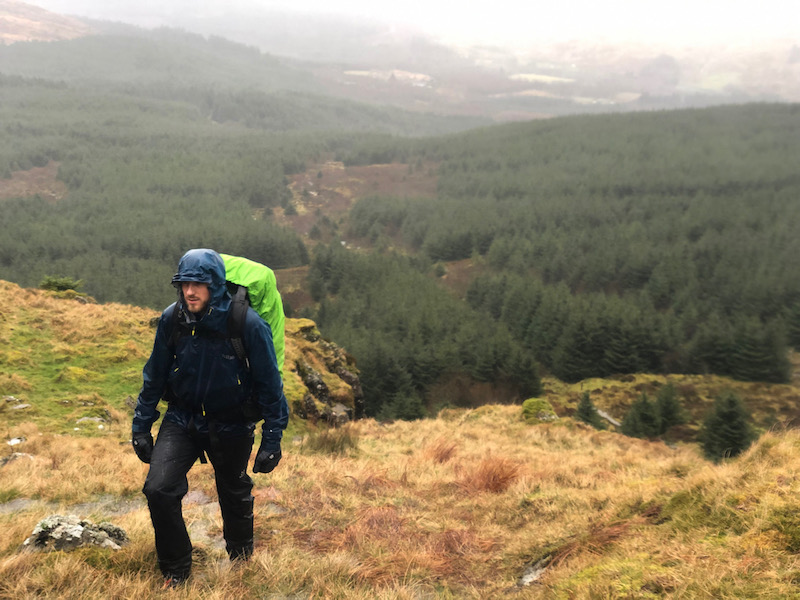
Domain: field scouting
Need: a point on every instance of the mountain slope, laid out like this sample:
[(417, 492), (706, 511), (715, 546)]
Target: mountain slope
[(69, 365), (21, 22), (474, 504)]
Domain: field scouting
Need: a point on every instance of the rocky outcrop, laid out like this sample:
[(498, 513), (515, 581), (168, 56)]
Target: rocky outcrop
[(58, 532), (320, 378)]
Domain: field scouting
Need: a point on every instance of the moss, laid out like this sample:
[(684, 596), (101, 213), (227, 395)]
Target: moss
[(9, 494), (538, 410), (689, 509), (77, 375), (293, 387), (631, 577)]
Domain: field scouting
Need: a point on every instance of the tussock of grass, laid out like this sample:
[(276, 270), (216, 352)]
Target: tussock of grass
[(12, 383), (441, 450), (339, 440), (492, 474)]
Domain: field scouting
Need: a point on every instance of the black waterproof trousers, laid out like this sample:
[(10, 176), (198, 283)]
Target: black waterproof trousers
[(175, 451)]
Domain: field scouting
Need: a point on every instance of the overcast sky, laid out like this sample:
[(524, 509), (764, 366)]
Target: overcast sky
[(511, 21)]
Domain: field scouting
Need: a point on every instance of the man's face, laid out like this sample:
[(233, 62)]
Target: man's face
[(196, 295)]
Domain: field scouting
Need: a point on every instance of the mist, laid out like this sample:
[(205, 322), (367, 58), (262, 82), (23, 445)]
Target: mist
[(504, 23)]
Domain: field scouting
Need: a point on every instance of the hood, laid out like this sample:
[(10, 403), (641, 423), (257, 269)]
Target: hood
[(205, 266)]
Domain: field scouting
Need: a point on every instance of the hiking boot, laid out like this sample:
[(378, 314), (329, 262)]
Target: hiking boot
[(174, 581), (241, 554)]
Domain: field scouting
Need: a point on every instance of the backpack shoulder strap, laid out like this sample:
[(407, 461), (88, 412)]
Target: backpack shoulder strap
[(238, 313), (174, 329)]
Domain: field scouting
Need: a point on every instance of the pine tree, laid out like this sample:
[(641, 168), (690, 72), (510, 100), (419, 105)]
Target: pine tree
[(793, 325), (522, 369), (712, 347), (579, 352), (642, 419), (726, 430), (620, 355), (588, 413), (669, 408)]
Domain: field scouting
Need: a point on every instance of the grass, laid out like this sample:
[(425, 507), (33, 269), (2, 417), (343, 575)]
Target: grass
[(452, 508), (68, 359), (340, 440)]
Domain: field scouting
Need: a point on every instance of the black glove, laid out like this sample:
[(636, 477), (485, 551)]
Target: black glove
[(143, 446), (268, 457)]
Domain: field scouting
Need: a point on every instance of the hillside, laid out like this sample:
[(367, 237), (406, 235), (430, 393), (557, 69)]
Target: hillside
[(474, 503), (581, 247), (22, 22), (604, 246), (69, 365)]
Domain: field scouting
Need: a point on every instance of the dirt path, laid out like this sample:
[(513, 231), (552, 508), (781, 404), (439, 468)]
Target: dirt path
[(41, 181), (330, 189)]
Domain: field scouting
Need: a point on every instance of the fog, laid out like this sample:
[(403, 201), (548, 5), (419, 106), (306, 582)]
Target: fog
[(509, 23)]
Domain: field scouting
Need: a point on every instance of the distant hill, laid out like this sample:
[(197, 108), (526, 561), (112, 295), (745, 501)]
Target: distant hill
[(374, 63), (22, 22)]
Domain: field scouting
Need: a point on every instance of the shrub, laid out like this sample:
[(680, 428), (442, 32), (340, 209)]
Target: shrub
[(60, 284), (642, 420), (669, 408), (538, 410)]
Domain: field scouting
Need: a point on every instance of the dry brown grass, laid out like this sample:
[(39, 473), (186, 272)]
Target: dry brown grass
[(441, 450), (490, 475), (12, 383), (447, 508)]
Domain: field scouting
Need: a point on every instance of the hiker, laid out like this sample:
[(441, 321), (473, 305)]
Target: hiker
[(194, 368)]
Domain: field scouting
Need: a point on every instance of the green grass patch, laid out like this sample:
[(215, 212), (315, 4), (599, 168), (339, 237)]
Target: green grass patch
[(9, 494), (687, 510), (629, 577)]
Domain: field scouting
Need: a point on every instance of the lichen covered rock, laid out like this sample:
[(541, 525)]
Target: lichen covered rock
[(320, 378), (59, 532)]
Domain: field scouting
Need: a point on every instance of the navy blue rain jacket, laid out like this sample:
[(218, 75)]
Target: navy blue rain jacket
[(204, 371)]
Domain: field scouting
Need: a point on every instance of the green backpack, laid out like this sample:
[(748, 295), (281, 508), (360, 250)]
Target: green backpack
[(256, 283)]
